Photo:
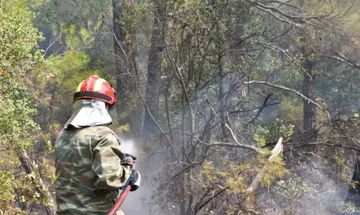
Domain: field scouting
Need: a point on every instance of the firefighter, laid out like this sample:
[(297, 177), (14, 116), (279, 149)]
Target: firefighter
[(91, 166)]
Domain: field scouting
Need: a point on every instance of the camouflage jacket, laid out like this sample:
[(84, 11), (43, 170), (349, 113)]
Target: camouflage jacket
[(89, 171)]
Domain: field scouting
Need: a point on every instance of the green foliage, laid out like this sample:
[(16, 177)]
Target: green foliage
[(271, 133), (291, 112), (234, 178), (16, 123), (343, 169), (273, 170), (18, 57), (18, 38), (20, 63), (230, 177), (6, 186), (79, 37), (134, 14)]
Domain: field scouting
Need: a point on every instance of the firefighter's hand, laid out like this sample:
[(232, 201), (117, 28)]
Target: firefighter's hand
[(129, 160)]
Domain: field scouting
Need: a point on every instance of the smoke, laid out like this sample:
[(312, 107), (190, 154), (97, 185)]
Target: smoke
[(328, 194), (129, 146), (310, 189), (138, 202)]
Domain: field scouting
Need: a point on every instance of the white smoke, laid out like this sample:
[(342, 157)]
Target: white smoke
[(137, 203), (129, 146), (315, 193)]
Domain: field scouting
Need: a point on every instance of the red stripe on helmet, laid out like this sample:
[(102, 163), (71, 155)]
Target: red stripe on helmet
[(88, 85)]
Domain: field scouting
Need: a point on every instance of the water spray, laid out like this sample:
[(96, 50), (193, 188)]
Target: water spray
[(125, 192)]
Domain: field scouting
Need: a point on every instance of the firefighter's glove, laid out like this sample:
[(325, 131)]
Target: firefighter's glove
[(135, 180)]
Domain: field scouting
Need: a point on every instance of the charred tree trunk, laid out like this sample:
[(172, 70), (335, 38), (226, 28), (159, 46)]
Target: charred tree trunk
[(309, 109), (126, 65), (119, 38), (309, 117), (154, 71)]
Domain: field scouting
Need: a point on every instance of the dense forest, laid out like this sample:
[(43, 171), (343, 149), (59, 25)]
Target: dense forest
[(231, 106)]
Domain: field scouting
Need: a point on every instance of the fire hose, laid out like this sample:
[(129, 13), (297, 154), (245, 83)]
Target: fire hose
[(125, 191)]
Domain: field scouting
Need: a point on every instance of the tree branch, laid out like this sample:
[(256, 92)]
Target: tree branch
[(260, 110), (226, 144), (204, 202), (290, 90), (169, 140), (233, 134), (342, 58), (39, 185), (252, 109), (273, 47), (298, 20), (328, 144)]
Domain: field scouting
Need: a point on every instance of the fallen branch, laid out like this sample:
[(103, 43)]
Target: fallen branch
[(251, 197), (274, 153)]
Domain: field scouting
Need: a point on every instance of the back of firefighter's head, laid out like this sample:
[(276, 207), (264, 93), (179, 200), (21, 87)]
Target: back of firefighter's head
[(97, 88)]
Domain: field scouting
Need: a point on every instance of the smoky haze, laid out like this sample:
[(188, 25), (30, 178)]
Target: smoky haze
[(139, 202)]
